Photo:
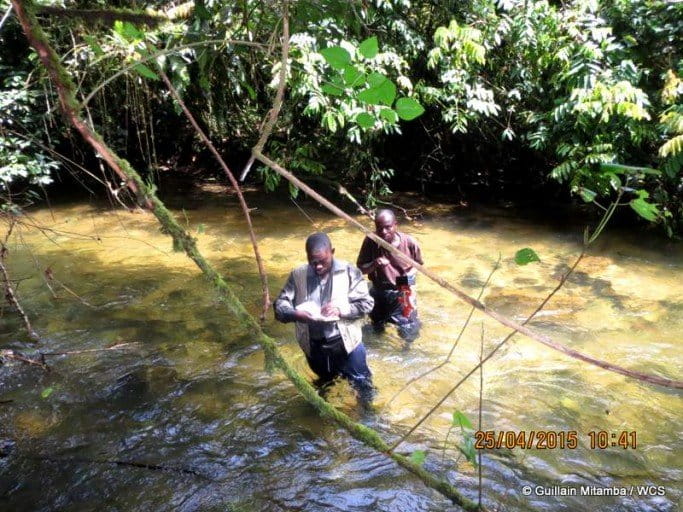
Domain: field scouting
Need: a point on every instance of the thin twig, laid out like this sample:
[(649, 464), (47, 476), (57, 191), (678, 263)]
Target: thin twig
[(235, 185), (10, 294), (279, 95), (17, 356), (455, 343), (541, 338), (490, 355), (6, 15), (118, 346)]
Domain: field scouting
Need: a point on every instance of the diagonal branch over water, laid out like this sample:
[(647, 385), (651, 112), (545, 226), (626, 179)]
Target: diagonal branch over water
[(490, 354), (455, 343), (541, 338)]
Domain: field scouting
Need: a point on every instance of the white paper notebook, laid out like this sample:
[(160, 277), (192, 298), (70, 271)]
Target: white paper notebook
[(313, 309)]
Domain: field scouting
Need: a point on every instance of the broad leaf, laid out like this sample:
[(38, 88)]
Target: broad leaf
[(353, 77), (587, 194), (365, 120), (646, 210), (408, 109), (336, 56), (127, 30), (381, 94), (145, 71), (332, 90), (369, 47), (389, 115), (460, 420), (525, 256)]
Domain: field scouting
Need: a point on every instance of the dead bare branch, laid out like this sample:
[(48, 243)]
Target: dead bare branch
[(235, 185)]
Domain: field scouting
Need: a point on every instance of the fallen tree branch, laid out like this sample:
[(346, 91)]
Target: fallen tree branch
[(542, 338), (490, 354), (455, 343), (235, 185), (18, 356)]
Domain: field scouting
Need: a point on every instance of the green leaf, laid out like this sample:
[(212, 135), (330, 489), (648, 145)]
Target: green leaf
[(408, 109), (369, 47), (332, 90), (336, 56), (201, 228), (389, 115), (201, 12), (365, 120), (628, 169), (145, 71), (460, 420), (646, 210), (353, 77), (374, 79), (468, 450), (418, 457), (293, 191), (587, 194), (381, 94), (525, 256), (127, 30), (46, 392)]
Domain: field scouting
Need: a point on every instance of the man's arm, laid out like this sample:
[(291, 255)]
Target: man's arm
[(360, 301), (415, 251), (283, 307), (366, 261)]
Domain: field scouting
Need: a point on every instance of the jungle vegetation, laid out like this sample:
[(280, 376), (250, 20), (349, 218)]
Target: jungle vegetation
[(581, 100)]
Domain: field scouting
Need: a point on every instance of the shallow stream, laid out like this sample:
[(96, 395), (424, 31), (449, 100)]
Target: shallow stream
[(189, 392)]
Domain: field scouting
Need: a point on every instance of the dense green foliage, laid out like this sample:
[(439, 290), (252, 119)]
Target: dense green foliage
[(490, 98)]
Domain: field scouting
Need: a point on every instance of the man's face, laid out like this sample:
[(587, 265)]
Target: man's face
[(321, 261), (385, 228)]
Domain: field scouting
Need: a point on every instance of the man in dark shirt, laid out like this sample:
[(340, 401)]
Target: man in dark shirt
[(328, 299), (393, 280)]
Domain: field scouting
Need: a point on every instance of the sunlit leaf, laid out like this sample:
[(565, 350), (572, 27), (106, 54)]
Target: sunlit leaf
[(628, 169), (353, 77), (145, 71), (46, 392), (332, 90), (336, 56), (648, 211), (365, 120), (369, 47), (587, 194), (460, 420), (418, 457), (381, 94), (526, 256), (127, 30), (389, 115), (408, 109)]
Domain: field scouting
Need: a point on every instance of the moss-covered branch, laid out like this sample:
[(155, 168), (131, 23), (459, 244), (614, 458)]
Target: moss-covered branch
[(183, 241)]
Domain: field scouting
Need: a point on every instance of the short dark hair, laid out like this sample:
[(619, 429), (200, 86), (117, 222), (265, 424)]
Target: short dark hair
[(318, 242), (385, 211)]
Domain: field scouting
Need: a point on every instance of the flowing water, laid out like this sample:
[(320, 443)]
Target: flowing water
[(188, 395)]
